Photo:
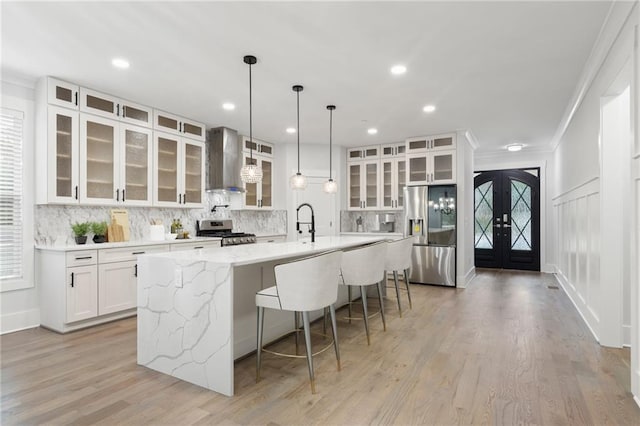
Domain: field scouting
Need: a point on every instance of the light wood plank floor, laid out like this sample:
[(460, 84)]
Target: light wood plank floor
[(507, 350)]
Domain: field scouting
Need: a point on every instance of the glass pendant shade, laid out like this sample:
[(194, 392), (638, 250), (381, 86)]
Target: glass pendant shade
[(330, 186), (251, 173), (298, 181)]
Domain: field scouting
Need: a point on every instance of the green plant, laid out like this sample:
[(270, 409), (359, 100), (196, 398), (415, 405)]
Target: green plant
[(99, 228), (80, 229)]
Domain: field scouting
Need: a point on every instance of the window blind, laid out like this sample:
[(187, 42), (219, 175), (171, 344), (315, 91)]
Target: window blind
[(11, 194)]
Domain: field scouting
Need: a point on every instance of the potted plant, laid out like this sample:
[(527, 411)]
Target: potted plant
[(80, 231), (100, 231)]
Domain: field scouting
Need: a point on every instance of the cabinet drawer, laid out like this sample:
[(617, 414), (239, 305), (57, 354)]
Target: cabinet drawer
[(129, 253), (195, 245), (82, 258)]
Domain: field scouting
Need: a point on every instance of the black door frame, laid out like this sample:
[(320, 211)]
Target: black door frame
[(502, 255)]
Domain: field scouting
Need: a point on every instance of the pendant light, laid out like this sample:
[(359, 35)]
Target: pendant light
[(250, 173), (330, 186), (298, 181)]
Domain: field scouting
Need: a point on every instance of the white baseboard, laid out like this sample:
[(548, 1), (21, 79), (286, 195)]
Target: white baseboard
[(17, 321), (563, 284), (635, 398), (464, 280), (626, 336)]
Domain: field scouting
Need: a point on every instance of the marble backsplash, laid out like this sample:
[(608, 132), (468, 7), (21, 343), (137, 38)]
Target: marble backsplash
[(53, 223), (348, 220)]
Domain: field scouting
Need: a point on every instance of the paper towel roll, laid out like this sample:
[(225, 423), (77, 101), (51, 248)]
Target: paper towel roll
[(156, 232)]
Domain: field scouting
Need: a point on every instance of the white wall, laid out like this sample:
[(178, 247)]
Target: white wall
[(19, 308), (525, 159)]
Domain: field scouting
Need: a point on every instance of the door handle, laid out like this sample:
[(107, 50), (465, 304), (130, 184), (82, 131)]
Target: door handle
[(72, 276), (135, 270)]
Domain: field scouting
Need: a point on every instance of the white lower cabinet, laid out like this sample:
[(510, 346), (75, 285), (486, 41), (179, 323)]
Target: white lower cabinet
[(78, 289), (82, 293)]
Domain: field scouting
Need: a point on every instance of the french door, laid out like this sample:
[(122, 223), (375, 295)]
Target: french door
[(507, 219)]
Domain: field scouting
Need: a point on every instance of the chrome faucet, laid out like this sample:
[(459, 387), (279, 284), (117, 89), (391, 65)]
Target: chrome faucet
[(312, 230)]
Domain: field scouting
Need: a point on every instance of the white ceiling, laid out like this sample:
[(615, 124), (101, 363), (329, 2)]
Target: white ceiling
[(504, 70)]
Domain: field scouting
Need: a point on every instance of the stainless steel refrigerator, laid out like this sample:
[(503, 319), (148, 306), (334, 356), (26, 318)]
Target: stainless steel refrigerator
[(430, 216)]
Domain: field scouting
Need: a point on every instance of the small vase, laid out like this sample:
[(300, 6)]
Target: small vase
[(99, 239), (82, 239)]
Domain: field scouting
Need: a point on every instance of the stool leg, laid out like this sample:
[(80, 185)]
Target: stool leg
[(297, 326), (324, 322), (363, 294), (259, 352), (395, 279), (307, 340), (334, 330), (349, 305), (406, 281), (384, 322)]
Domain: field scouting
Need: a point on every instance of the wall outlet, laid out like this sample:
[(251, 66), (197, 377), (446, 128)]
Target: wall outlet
[(178, 277)]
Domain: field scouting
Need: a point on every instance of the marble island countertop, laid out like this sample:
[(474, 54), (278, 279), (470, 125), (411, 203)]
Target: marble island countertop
[(247, 254), (90, 245)]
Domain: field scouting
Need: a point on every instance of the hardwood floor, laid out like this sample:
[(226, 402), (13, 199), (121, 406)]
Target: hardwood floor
[(507, 350)]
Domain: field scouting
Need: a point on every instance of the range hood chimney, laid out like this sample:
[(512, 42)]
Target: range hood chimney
[(223, 160)]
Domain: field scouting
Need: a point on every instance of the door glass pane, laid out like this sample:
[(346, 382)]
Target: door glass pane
[(193, 173), (167, 170), (191, 129), (135, 113), (266, 149), (443, 167), (520, 216), (355, 154), (64, 94), (100, 103), (266, 183), (401, 149), (417, 145), (387, 150), (441, 142), (354, 185), (402, 173), (418, 169), (251, 145), (386, 184), (100, 146), (372, 185), (63, 155), (371, 152), (483, 196), (167, 122), (136, 165), (251, 189)]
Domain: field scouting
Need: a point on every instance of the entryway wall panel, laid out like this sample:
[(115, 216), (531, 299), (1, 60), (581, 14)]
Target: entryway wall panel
[(578, 213)]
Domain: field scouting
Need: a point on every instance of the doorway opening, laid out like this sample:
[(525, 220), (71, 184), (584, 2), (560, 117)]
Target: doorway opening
[(507, 219)]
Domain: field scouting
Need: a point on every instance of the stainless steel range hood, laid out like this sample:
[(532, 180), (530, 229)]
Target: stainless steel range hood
[(223, 160)]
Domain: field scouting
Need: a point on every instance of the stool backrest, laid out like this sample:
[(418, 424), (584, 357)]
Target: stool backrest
[(310, 283), (399, 254), (364, 265)]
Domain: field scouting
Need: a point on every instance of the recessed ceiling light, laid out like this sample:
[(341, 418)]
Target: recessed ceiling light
[(228, 106), (291, 130), (398, 69), (372, 131), (514, 147), (429, 108), (120, 63)]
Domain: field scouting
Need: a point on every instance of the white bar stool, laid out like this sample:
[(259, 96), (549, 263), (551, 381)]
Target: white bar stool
[(399, 259), (363, 267), (302, 285)]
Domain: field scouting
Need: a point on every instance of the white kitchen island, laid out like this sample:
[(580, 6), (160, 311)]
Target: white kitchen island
[(196, 309)]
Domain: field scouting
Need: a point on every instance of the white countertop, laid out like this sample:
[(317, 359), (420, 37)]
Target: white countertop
[(93, 246), (247, 254)]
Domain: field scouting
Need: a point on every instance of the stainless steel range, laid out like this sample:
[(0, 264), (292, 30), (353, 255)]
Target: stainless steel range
[(222, 229)]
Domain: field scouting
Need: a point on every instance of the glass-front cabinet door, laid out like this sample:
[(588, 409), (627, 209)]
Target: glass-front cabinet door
[(63, 167), (401, 182), (193, 174), (354, 177), (371, 196), (443, 167), (136, 161), (266, 199), (98, 165), (166, 169), (62, 94), (417, 169), (388, 199)]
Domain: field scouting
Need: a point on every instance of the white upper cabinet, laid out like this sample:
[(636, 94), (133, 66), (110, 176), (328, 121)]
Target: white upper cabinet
[(62, 94), (174, 124), (431, 168), (363, 153), (61, 180), (258, 195), (112, 107), (393, 180), (431, 143), (362, 184), (393, 150), (179, 171)]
